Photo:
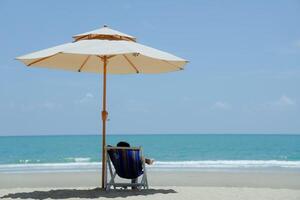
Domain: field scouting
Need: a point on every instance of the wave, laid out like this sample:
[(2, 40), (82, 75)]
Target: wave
[(78, 160), (83, 164), (50, 167), (28, 161), (229, 164)]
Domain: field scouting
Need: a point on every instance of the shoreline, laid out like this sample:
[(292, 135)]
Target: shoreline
[(200, 165), (251, 179)]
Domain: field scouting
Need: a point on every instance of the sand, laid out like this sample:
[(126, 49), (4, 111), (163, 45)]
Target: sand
[(164, 185)]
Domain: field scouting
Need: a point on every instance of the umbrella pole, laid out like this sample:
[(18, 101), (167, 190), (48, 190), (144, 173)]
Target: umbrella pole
[(104, 118)]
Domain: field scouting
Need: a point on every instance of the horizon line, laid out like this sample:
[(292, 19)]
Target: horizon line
[(141, 134)]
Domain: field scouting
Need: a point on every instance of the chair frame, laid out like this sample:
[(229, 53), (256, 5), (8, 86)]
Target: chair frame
[(143, 184)]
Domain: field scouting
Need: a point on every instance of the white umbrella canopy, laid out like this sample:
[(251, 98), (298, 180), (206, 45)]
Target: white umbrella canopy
[(125, 55), (103, 33), (105, 51)]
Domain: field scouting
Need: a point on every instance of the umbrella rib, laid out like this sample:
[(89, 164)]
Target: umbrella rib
[(79, 38), (41, 59), (131, 64), (84, 62), (107, 57), (180, 68)]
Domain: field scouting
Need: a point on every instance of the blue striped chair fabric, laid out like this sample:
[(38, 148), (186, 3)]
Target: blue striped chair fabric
[(127, 162)]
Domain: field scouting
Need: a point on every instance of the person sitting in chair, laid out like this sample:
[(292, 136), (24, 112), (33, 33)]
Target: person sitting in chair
[(126, 144), (147, 160)]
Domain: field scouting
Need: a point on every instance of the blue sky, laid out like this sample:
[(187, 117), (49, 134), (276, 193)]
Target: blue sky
[(243, 75)]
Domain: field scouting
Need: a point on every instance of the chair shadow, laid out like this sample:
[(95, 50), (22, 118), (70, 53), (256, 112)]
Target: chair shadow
[(85, 193)]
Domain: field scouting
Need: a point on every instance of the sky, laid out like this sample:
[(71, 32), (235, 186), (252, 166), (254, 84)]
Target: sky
[(243, 75)]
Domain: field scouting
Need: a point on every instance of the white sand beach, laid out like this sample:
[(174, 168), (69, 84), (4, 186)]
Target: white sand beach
[(173, 185)]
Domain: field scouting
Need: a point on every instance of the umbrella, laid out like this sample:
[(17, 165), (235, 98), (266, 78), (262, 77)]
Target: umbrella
[(105, 51)]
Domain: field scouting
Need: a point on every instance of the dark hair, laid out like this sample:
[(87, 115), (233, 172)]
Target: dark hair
[(123, 144)]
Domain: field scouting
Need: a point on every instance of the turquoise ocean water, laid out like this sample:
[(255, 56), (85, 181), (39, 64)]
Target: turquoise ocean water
[(180, 151)]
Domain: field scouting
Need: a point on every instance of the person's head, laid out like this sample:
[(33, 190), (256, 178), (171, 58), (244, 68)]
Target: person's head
[(123, 144)]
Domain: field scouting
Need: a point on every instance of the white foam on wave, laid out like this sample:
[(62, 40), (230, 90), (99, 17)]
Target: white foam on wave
[(78, 159), (228, 164), (81, 165), (50, 167), (28, 161)]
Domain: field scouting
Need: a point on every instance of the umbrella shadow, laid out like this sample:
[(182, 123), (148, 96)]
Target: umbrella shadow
[(85, 193)]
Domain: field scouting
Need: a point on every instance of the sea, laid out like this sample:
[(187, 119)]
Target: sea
[(19, 154)]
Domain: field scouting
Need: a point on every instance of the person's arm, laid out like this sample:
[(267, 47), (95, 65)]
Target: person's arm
[(149, 161)]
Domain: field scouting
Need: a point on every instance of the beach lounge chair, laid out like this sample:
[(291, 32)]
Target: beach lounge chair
[(128, 163)]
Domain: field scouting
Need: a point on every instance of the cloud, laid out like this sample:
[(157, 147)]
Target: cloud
[(88, 97), (283, 101), (221, 105)]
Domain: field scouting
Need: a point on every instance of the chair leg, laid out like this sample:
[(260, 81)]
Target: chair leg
[(112, 182), (147, 185), (112, 175), (145, 182), (145, 178), (134, 181)]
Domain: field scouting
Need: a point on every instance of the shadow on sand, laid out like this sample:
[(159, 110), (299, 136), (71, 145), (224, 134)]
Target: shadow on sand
[(85, 193)]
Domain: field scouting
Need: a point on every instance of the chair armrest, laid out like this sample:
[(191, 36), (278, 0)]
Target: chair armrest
[(129, 148)]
